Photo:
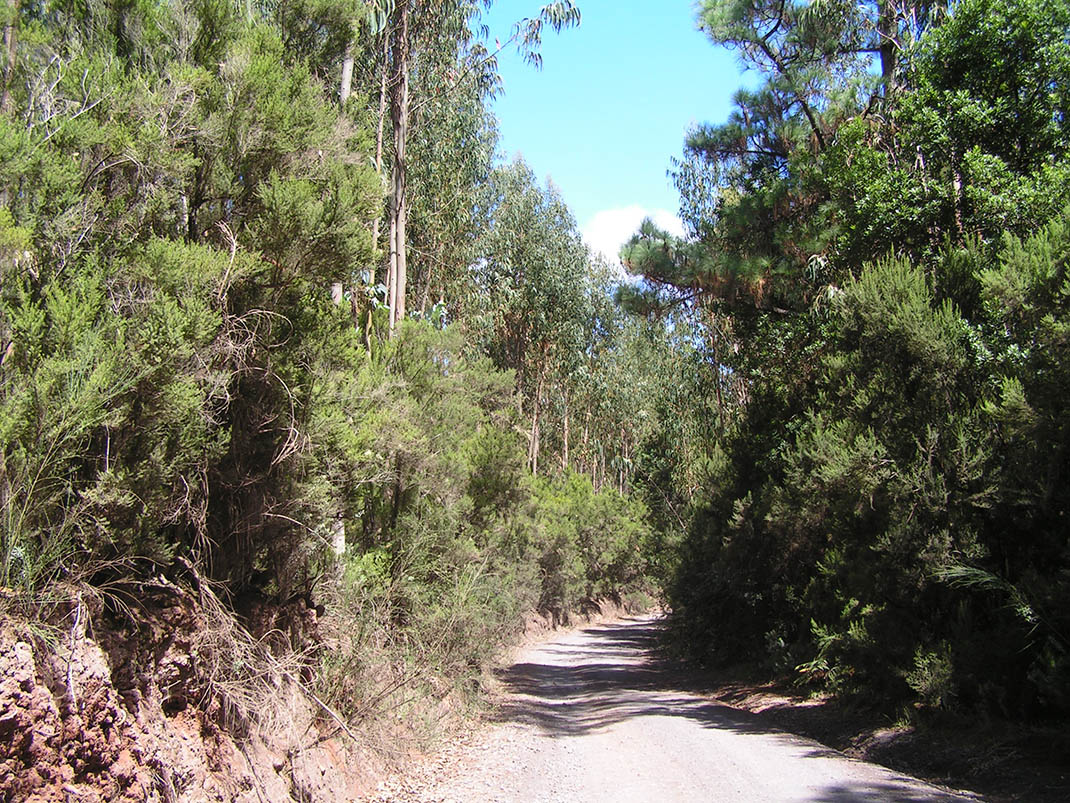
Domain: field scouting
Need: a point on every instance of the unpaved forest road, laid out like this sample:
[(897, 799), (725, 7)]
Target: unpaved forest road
[(592, 717)]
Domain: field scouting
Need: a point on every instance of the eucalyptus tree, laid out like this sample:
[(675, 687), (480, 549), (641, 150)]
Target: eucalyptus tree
[(430, 32), (178, 396), (452, 156), (532, 297), (10, 50)]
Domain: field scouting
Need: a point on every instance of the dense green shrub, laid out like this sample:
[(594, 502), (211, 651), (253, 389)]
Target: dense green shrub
[(877, 552)]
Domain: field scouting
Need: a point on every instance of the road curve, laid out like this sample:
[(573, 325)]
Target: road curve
[(592, 717)]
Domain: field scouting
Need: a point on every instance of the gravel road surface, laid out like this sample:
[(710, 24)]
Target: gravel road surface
[(592, 716)]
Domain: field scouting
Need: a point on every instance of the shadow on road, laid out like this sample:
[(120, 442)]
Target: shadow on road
[(613, 675), (581, 686), (879, 793)]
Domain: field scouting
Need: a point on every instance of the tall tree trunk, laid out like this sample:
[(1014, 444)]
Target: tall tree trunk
[(392, 268), (399, 202), (585, 457), (344, 91), (425, 294), (346, 88), (384, 72), (564, 451), (888, 45), (536, 409), (381, 126), (337, 288)]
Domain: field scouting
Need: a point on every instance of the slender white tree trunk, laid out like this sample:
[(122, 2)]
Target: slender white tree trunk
[(392, 267), (399, 202), (585, 457), (11, 35), (564, 451), (536, 409), (346, 89)]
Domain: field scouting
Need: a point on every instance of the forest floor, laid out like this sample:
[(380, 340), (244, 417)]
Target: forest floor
[(596, 714)]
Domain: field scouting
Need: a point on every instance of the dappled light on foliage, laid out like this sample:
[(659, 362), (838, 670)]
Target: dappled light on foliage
[(268, 335)]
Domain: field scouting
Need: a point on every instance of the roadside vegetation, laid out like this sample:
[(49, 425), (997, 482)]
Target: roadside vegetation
[(224, 375), (280, 329), (876, 273)]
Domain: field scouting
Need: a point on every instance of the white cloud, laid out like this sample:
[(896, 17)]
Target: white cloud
[(608, 230)]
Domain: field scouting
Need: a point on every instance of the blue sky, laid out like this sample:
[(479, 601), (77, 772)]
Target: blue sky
[(611, 106)]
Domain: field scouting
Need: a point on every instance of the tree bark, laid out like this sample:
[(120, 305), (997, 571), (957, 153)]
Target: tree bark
[(584, 456), (564, 451), (536, 409), (392, 268), (346, 89), (888, 44), (380, 127), (425, 295), (399, 202), (11, 35)]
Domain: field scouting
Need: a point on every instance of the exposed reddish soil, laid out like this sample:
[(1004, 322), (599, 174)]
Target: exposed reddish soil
[(126, 713), (127, 704)]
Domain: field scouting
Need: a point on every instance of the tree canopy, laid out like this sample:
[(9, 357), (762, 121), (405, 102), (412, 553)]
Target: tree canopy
[(880, 513)]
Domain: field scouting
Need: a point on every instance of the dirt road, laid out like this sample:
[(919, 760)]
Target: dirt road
[(592, 717)]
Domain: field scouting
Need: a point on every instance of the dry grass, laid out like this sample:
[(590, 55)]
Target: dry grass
[(254, 686)]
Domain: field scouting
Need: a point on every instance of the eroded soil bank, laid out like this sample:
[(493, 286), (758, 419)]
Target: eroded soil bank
[(171, 699), (139, 711)]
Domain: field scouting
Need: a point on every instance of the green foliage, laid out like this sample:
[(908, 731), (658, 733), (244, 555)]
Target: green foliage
[(588, 544), (183, 393), (879, 267), (104, 416), (451, 547), (931, 677)]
